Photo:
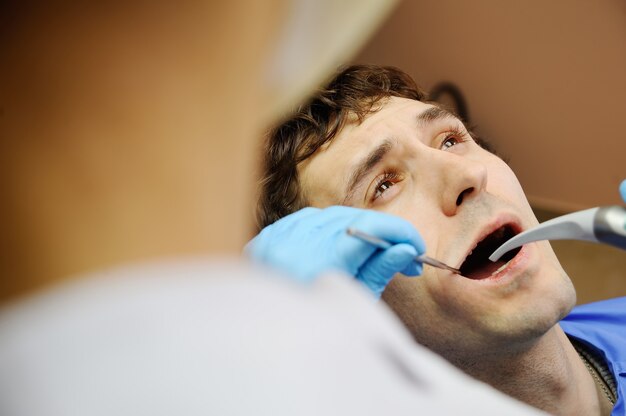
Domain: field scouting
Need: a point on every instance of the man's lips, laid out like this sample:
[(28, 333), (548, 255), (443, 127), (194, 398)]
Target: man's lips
[(476, 264)]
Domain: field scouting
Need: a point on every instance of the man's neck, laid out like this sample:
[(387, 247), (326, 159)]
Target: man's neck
[(548, 374)]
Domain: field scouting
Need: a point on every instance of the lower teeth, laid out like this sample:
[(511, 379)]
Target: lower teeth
[(500, 268)]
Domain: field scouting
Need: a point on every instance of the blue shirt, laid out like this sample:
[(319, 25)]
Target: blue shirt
[(602, 326)]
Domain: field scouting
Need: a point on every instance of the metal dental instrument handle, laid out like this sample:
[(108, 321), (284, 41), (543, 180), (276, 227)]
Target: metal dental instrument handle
[(380, 243), (599, 225)]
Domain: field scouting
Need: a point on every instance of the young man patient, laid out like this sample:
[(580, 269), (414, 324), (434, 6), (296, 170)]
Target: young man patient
[(369, 151)]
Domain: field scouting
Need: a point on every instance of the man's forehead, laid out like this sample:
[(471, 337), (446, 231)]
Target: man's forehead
[(324, 175), (389, 113), (389, 109)]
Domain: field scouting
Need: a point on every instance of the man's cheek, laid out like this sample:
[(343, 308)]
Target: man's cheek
[(501, 181)]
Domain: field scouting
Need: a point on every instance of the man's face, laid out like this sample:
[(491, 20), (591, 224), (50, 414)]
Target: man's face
[(418, 162)]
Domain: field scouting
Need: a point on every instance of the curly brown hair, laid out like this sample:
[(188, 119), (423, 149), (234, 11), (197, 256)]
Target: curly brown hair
[(354, 91)]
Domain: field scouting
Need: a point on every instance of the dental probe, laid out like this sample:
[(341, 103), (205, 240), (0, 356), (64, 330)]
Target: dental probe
[(382, 244), (599, 225)]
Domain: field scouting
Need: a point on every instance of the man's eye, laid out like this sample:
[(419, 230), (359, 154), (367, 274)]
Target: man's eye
[(449, 142), (384, 183), (383, 187), (453, 138)]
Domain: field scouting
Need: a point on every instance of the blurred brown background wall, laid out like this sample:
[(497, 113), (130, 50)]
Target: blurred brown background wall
[(545, 81)]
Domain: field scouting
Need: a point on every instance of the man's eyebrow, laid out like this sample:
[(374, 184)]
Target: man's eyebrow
[(433, 114), (366, 165)]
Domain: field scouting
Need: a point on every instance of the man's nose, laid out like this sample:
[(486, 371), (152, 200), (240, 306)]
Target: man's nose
[(462, 180)]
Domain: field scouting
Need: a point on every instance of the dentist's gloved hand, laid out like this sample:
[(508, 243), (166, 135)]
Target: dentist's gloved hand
[(313, 241), (622, 190)]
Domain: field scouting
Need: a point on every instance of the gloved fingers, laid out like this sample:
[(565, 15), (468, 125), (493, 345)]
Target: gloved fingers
[(352, 253), (312, 241), (414, 268), (390, 228), (378, 271), (622, 190)]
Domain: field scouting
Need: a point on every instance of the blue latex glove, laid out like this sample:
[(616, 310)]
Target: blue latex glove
[(622, 190), (313, 241)]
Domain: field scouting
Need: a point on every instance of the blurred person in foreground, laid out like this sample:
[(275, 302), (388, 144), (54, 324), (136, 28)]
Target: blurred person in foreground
[(127, 157), (370, 144)]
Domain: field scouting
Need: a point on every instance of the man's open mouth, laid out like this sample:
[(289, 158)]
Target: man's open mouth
[(477, 264)]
